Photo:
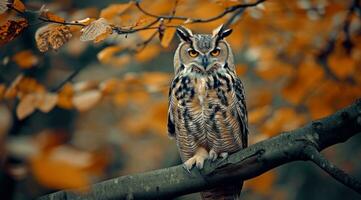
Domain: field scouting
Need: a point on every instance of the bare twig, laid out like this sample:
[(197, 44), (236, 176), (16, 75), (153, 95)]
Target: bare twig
[(346, 179), (245, 164)]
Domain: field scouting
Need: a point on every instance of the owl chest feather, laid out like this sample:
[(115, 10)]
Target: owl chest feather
[(204, 111)]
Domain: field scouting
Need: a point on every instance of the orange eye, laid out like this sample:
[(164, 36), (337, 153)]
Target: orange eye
[(193, 53), (215, 52)]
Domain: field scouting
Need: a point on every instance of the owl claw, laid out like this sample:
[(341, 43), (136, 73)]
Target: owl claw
[(198, 160), (224, 155), (213, 155)]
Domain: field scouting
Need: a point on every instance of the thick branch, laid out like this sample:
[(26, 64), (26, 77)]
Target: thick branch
[(245, 164)]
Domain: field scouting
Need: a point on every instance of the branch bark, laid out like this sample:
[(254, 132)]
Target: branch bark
[(301, 144)]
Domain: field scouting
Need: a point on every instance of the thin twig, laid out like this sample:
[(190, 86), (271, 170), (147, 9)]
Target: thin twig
[(316, 157)]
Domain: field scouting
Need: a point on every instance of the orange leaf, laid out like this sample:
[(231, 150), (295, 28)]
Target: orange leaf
[(47, 102), (86, 100), (342, 66), (108, 86), (52, 17), (107, 53), (149, 52), (11, 29), (303, 82), (12, 89), (25, 59), (2, 91), (19, 6), (57, 174), (283, 119), (167, 37), (65, 97), (26, 106), (262, 184), (114, 10), (258, 114)]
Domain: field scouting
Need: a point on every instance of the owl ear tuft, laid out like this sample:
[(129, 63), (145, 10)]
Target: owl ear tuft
[(221, 32), (184, 34)]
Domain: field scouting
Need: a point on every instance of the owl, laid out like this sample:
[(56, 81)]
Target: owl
[(207, 113)]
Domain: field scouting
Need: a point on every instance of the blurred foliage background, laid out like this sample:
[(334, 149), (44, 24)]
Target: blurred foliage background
[(90, 111)]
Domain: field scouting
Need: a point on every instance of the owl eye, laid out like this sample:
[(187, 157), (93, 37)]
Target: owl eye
[(193, 53), (215, 52)]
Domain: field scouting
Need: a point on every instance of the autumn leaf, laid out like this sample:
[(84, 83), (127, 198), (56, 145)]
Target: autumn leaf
[(149, 52), (11, 29), (47, 102), (114, 10), (86, 100), (341, 65), (58, 174), (26, 106), (19, 6), (52, 36), (97, 30), (25, 59), (167, 37), (3, 6), (105, 55), (52, 17), (12, 90)]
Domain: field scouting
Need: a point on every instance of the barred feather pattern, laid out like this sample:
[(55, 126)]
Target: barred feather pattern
[(208, 110)]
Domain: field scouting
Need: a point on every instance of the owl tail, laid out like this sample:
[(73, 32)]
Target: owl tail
[(226, 192)]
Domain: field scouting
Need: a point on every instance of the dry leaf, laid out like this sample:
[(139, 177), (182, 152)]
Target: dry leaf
[(149, 52), (26, 106), (114, 10), (107, 53), (57, 174), (86, 100), (52, 17), (12, 89), (25, 59), (3, 6), (18, 5), (52, 36), (47, 102), (96, 29), (167, 37), (65, 97), (108, 86), (11, 29)]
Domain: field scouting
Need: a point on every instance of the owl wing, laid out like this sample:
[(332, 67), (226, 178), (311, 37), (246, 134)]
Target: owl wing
[(171, 126), (242, 111)]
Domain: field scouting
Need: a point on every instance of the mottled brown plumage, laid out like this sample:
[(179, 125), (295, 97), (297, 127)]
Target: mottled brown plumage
[(207, 112)]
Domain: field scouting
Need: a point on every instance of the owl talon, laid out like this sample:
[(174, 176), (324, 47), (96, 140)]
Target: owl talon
[(224, 156), (213, 155), (185, 167)]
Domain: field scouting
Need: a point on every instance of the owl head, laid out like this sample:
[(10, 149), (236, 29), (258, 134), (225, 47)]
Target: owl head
[(203, 52)]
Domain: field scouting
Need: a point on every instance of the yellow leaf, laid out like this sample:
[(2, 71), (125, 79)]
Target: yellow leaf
[(52, 17), (47, 102), (86, 100), (18, 5), (26, 106), (149, 52), (57, 174), (107, 53), (167, 37), (114, 10), (25, 59), (342, 66), (262, 184), (65, 97), (258, 114)]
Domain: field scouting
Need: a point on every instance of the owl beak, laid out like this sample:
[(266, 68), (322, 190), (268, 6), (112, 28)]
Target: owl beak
[(205, 61)]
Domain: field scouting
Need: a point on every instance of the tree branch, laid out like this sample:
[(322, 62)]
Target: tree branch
[(300, 144)]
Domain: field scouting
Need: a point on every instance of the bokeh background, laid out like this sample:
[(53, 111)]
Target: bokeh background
[(299, 60)]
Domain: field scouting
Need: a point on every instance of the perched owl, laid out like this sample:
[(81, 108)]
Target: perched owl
[(207, 111)]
